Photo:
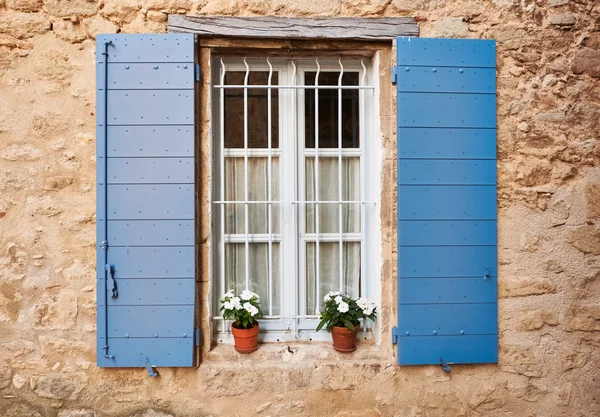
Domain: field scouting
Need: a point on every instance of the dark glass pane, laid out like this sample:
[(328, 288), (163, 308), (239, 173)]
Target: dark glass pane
[(257, 111), (328, 111)]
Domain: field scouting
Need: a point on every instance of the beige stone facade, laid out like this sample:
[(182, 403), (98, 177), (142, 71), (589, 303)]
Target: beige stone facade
[(549, 219)]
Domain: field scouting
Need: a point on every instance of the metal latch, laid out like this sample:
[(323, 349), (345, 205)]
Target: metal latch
[(394, 335), (152, 371), (111, 268), (444, 365)]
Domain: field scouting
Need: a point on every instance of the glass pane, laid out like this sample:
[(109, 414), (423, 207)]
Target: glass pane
[(329, 270), (328, 111), (257, 111), (258, 174), (328, 191), (235, 272)]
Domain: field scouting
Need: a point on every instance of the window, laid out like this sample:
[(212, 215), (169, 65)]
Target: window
[(290, 163)]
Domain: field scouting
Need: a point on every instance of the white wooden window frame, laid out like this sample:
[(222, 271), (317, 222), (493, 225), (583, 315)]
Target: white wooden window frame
[(293, 321)]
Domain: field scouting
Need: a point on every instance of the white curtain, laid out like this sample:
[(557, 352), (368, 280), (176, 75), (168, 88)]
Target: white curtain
[(235, 260), (329, 252)]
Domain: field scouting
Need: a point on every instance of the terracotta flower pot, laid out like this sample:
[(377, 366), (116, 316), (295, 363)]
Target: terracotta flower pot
[(245, 340), (344, 340)]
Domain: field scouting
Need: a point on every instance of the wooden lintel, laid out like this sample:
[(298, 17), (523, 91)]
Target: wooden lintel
[(371, 29)]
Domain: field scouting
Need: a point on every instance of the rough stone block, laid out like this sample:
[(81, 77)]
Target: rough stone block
[(69, 31), (19, 152), (67, 8), (77, 413), (96, 24), (583, 318), (25, 5), (24, 25), (121, 10), (562, 19), (449, 27), (521, 287), (56, 312), (586, 238), (535, 320), (586, 61), (57, 387)]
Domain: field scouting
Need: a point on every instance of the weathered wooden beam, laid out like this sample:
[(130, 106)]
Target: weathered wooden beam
[(384, 28)]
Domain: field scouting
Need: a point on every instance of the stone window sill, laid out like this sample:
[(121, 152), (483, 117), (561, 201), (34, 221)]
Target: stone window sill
[(304, 353)]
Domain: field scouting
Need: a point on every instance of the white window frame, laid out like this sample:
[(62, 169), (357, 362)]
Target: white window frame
[(290, 325)]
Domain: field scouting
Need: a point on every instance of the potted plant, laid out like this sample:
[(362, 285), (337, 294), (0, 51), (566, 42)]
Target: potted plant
[(341, 318), (244, 310)]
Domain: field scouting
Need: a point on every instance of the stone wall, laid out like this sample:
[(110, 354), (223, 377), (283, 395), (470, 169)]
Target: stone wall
[(549, 214)]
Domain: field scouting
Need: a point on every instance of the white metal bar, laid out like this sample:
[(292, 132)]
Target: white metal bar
[(252, 152), (362, 161), (340, 223), (293, 202), (246, 214), (332, 152), (309, 237), (269, 188), (303, 87), (295, 212), (222, 177), (316, 174)]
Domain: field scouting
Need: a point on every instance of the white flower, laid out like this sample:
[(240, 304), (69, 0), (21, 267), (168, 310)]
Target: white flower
[(250, 309), (339, 299), (343, 307), (228, 294), (227, 305), (327, 297), (247, 295), (362, 303), (235, 301)]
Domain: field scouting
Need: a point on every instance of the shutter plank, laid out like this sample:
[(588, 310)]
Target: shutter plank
[(159, 201), (155, 292), (447, 202), (447, 80), (150, 76), (151, 232), (159, 351), (447, 233), (151, 170), (447, 110), (424, 350), (149, 107), (447, 172), (152, 262), (447, 261), (448, 319), (440, 143), (447, 290), (149, 141)]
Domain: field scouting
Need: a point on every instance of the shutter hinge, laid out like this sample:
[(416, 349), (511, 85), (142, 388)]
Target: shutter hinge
[(104, 245), (197, 336), (394, 335), (394, 74), (197, 72)]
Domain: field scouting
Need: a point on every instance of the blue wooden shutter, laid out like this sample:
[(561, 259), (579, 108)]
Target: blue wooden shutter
[(447, 269), (145, 200)]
